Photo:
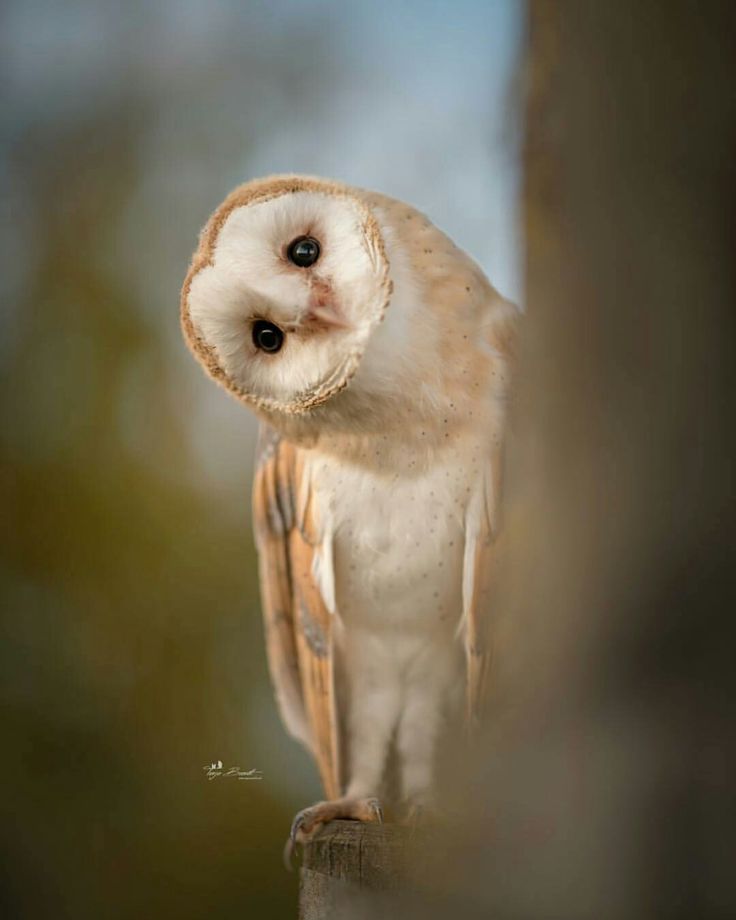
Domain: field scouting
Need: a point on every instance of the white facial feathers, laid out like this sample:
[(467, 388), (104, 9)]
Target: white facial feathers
[(444, 328), (326, 311)]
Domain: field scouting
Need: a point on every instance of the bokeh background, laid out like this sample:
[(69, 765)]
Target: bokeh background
[(132, 647)]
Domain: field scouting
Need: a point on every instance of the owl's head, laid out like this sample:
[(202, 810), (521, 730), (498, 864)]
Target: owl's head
[(284, 291)]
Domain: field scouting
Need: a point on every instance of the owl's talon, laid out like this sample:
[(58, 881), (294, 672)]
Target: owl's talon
[(292, 841), (375, 807), (288, 852), (296, 826), (309, 821)]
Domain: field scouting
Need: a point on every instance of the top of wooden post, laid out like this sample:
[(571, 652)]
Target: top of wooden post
[(352, 867)]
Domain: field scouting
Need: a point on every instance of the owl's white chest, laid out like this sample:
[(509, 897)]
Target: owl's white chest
[(397, 542)]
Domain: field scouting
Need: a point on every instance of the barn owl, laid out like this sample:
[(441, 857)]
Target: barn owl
[(377, 356)]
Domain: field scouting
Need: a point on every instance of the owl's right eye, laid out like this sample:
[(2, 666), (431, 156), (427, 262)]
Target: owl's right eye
[(267, 337), (303, 251)]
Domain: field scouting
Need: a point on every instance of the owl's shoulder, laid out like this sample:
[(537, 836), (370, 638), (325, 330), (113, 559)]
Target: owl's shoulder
[(453, 283)]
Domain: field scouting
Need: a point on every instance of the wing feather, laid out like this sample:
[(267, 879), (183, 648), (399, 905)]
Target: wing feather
[(483, 533), (298, 625)]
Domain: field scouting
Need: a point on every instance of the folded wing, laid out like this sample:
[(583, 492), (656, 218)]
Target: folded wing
[(298, 625)]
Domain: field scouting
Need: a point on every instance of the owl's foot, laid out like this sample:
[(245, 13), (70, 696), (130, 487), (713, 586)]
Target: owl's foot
[(309, 821)]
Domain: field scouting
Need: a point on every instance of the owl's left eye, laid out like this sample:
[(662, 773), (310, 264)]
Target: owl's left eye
[(303, 251), (267, 336)]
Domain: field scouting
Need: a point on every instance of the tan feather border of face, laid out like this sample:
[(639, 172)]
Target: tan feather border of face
[(259, 190)]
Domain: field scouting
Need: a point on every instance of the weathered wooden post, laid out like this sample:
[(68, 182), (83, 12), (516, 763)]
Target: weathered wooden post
[(355, 870)]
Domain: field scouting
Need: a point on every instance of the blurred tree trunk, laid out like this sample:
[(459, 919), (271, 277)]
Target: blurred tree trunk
[(608, 787)]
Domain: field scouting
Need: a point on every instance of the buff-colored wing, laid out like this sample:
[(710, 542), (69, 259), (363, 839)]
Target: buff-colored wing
[(483, 549), (484, 539), (298, 625)]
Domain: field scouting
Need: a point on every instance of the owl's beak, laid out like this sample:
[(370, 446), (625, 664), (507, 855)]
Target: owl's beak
[(325, 314)]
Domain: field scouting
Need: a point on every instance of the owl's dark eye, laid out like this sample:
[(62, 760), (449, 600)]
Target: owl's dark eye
[(303, 251), (267, 337)]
